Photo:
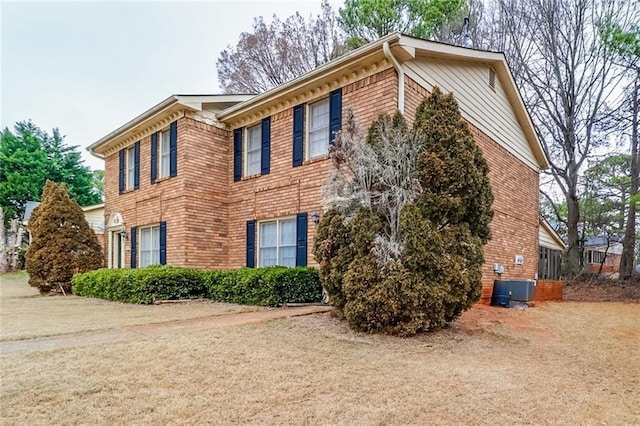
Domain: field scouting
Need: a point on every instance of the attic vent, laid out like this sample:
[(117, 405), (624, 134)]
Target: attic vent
[(492, 79)]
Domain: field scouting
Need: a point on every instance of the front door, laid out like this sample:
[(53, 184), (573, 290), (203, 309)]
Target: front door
[(116, 255)]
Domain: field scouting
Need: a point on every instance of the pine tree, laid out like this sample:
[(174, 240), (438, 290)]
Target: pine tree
[(62, 242)]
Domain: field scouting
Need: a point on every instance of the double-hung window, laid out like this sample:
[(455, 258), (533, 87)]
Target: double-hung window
[(150, 246), (277, 243), (131, 168), (164, 158), (253, 146), (318, 126)]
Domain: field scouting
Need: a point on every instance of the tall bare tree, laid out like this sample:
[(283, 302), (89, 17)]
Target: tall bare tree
[(275, 53), (566, 74)]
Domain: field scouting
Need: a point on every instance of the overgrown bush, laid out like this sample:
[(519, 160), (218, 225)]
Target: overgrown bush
[(400, 248), (62, 243), (261, 286)]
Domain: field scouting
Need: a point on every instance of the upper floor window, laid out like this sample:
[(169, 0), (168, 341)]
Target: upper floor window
[(253, 146), (164, 154), (131, 168), (252, 150), (318, 129), (314, 127)]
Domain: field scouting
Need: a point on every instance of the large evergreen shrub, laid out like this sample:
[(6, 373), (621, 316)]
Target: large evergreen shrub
[(406, 256), (62, 243)]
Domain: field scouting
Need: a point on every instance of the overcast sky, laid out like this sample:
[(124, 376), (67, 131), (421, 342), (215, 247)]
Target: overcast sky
[(89, 67)]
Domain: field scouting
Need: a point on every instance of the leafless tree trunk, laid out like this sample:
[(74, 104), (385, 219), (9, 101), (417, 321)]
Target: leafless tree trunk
[(629, 241), (565, 74), (10, 255)]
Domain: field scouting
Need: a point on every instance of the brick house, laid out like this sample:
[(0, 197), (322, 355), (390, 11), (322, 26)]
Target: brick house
[(225, 181)]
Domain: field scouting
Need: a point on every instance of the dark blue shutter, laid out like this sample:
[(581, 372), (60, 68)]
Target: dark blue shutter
[(335, 113), (173, 149), (298, 135), (237, 155), (251, 244), (133, 235), (301, 239), (154, 157), (136, 165), (121, 171), (266, 146), (163, 243)]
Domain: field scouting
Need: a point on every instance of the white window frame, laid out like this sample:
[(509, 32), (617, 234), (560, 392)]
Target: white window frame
[(279, 246), (309, 130), (154, 250), (256, 151), (130, 167), (164, 153)]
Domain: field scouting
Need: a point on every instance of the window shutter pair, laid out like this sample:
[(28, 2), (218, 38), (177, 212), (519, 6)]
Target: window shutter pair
[(335, 124), (173, 152), (301, 241), (122, 168), (265, 154), (133, 234)]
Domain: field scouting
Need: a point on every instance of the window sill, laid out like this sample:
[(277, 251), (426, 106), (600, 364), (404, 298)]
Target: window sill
[(162, 179), (316, 159), (257, 175)]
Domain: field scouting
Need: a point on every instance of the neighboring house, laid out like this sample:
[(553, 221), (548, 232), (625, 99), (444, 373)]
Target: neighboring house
[(605, 251), (550, 252), (95, 218), (226, 181)]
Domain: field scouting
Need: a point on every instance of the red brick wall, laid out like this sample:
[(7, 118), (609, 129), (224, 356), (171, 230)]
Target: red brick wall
[(548, 290), (193, 203), (515, 189), (288, 190)]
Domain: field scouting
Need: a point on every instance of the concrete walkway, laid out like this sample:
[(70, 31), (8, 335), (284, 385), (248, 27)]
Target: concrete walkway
[(21, 347)]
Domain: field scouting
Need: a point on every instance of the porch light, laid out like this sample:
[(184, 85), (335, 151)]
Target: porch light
[(315, 217)]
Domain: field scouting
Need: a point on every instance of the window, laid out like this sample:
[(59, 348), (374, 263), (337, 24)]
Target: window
[(131, 168), (492, 79), (253, 146), (318, 125), (164, 157), (149, 246), (277, 243)]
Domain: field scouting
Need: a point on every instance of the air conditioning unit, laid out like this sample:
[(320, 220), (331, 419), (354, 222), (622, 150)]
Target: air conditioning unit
[(516, 290)]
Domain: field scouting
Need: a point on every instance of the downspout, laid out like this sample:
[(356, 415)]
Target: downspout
[(387, 52)]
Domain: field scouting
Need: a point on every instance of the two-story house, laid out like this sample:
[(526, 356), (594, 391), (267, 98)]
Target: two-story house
[(226, 181)]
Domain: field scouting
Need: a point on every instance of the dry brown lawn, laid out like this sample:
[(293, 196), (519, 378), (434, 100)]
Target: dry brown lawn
[(25, 314), (560, 363)]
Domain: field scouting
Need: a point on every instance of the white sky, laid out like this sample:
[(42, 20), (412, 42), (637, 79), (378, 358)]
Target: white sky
[(88, 67)]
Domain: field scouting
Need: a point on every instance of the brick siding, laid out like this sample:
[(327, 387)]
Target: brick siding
[(206, 211)]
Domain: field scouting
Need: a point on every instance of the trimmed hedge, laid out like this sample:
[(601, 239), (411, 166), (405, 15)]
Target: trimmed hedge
[(264, 286), (248, 286), (144, 285)]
